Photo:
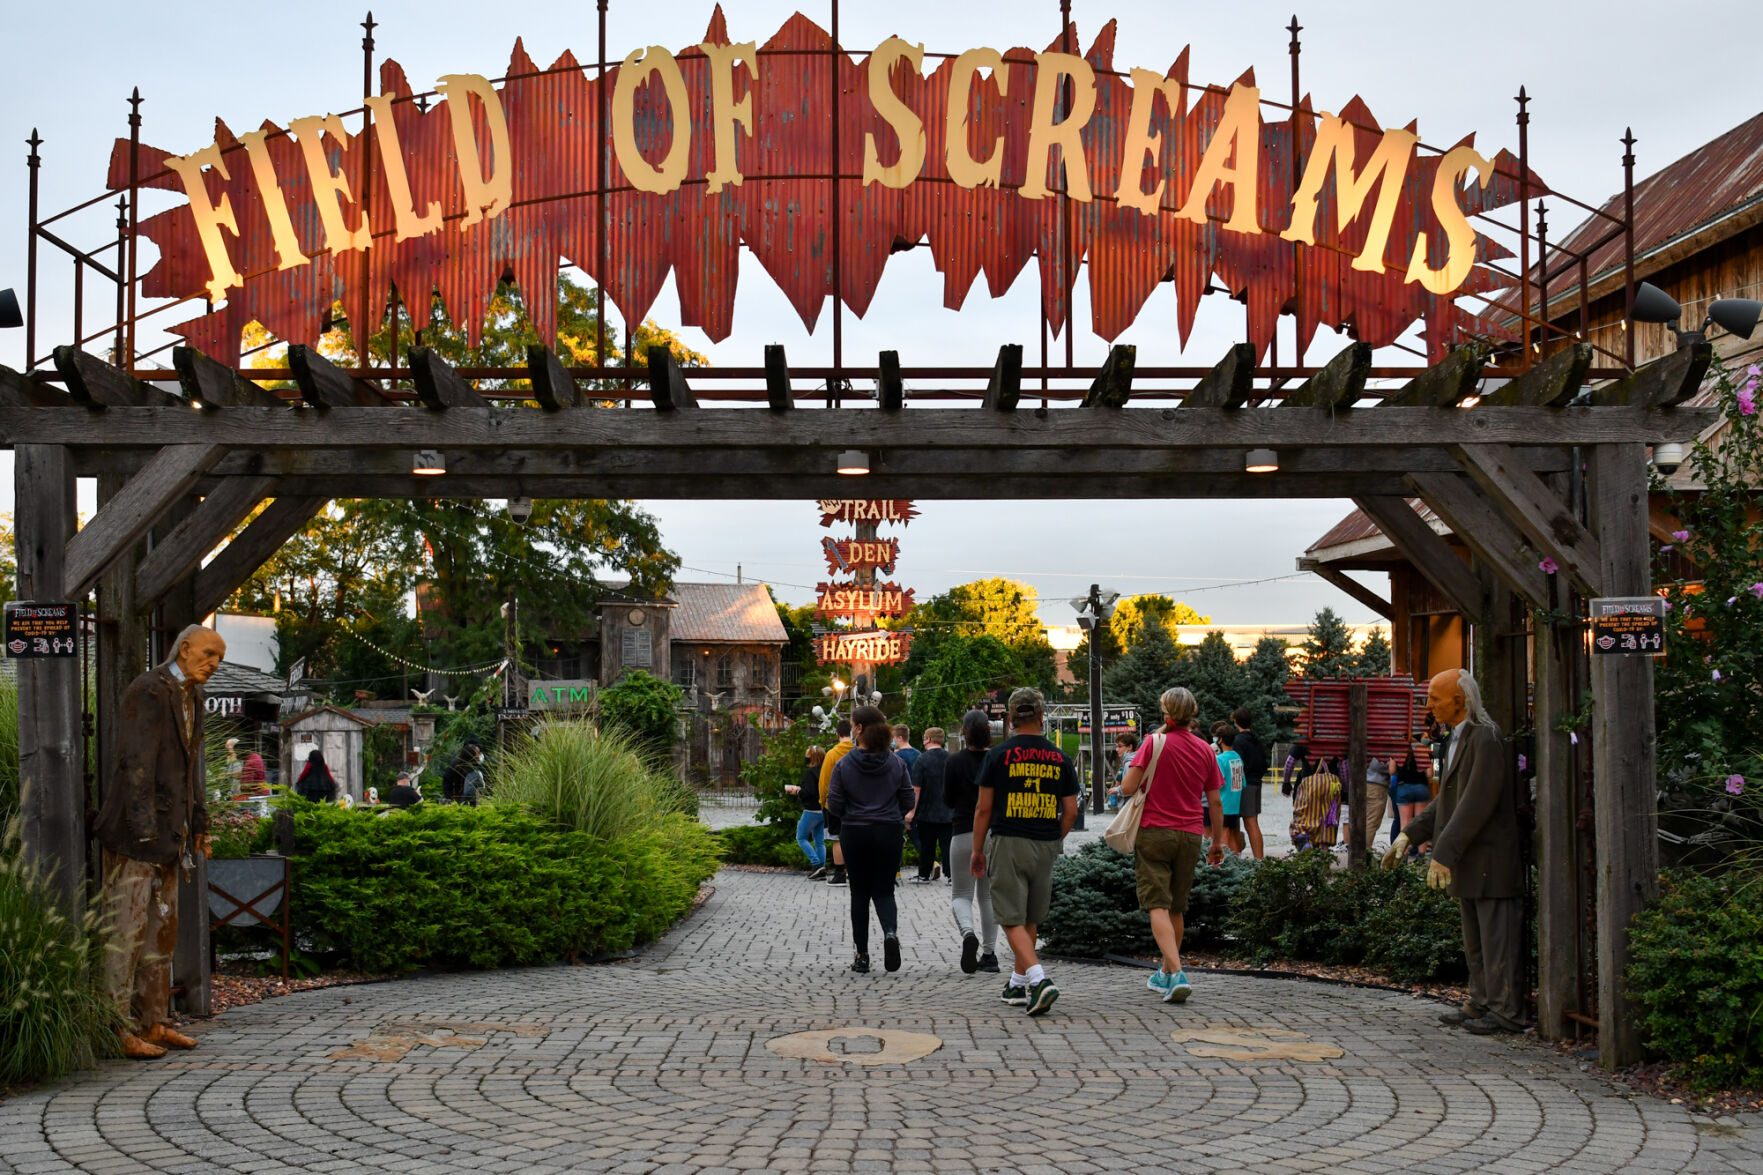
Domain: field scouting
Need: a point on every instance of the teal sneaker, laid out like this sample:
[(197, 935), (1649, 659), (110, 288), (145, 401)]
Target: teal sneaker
[(1041, 997), (1015, 996), (1179, 989), (1159, 981)]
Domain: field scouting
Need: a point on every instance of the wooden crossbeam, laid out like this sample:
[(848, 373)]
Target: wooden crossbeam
[(1229, 384), (1446, 383), (553, 387), (438, 385), (1551, 383), (18, 390), (323, 384), (777, 379), (1346, 583), (1004, 389), (1666, 381), (945, 428), (171, 474), (890, 388), (1536, 510), (182, 551), (1430, 554), (667, 384), (96, 384), (1112, 387), (1489, 535), (1339, 384), (215, 385), (280, 521)]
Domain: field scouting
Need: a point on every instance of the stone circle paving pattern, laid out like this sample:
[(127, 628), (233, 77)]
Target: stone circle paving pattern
[(664, 1065)]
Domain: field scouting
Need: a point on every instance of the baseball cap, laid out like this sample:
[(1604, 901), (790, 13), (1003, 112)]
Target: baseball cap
[(1027, 702)]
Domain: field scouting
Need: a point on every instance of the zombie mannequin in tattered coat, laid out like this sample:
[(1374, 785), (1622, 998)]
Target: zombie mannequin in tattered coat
[(154, 819), (1476, 854)]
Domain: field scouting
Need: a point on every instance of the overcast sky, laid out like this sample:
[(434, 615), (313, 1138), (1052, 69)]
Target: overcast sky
[(1590, 68)]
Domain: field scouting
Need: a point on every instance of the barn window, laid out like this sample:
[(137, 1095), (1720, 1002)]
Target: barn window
[(725, 673), (638, 649)]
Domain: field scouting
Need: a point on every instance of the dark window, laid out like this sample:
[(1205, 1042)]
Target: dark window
[(638, 649), (687, 677), (725, 673)]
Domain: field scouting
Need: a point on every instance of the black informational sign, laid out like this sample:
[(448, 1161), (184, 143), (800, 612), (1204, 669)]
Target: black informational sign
[(39, 629), (1629, 626)]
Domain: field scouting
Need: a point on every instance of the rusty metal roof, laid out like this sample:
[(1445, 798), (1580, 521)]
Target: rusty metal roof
[(728, 613), (1357, 528), (1706, 189)]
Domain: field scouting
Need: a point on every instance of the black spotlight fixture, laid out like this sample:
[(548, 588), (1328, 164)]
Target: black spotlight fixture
[(1738, 316), (10, 314)]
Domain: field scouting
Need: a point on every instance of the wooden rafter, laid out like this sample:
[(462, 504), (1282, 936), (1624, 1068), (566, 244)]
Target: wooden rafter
[(1536, 510), (1112, 387), (1666, 381), (172, 473), (1447, 382), (1335, 577), (323, 384), (1005, 387), (1551, 383), (215, 385), (280, 521), (438, 383), (1430, 554), (1485, 531), (667, 383), (553, 387), (182, 551), (777, 379), (96, 384), (1229, 384), (1339, 384)]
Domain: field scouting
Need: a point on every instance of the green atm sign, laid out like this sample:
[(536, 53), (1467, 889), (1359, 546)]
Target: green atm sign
[(560, 695)]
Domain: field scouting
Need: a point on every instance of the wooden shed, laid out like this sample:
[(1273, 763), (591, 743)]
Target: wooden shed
[(334, 733)]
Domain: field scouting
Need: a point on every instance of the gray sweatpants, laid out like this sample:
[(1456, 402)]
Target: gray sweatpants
[(968, 888)]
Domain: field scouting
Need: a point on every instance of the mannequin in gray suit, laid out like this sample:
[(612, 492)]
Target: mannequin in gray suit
[(1473, 827)]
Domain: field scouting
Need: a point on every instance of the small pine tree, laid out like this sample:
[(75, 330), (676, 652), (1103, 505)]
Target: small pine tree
[(1328, 647), (1374, 655), (1153, 665), (1268, 668)]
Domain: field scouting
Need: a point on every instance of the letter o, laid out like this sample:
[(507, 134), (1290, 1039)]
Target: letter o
[(644, 176)]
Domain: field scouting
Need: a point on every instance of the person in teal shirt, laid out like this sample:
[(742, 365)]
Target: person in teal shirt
[(1230, 797)]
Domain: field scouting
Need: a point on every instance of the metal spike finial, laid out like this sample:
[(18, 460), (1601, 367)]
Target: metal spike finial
[(33, 143), (369, 26), (135, 101)]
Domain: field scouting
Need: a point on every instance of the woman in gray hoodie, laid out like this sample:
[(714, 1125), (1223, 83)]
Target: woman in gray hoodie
[(871, 795)]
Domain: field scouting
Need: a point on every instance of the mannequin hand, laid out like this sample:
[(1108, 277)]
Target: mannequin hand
[(1398, 847), (1437, 876)]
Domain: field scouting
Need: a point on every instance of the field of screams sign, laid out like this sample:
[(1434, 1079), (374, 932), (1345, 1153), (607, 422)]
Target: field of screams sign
[(723, 144)]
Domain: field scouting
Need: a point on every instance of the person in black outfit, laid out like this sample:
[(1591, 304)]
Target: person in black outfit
[(979, 952), (316, 783), (870, 793), (811, 825), (1254, 756), (457, 785), (403, 794), (932, 819)]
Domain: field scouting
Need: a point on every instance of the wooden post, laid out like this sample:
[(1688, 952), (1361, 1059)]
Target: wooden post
[(122, 642), (1626, 814), (1557, 871), (52, 792), (1359, 822)]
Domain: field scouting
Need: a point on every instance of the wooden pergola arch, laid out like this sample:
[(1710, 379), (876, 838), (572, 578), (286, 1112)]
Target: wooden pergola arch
[(178, 471)]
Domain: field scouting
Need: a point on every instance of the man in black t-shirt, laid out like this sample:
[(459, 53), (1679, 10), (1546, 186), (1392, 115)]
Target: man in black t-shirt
[(1027, 803), (1254, 756)]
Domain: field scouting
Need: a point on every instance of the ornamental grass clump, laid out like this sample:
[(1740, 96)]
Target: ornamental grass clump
[(53, 1018), (597, 782)]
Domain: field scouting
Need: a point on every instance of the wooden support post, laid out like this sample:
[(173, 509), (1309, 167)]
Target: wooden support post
[(1551, 383), (777, 378), (122, 643), (1665, 382), (1360, 822), (1340, 579), (890, 389), (215, 385), (1485, 531), (1005, 387), (52, 794), (1556, 815), (667, 384), (171, 474), (438, 384), (1446, 383), (177, 556), (278, 523), (1339, 384), (1623, 750), (1495, 644), (553, 387), (1229, 384), (1537, 511)]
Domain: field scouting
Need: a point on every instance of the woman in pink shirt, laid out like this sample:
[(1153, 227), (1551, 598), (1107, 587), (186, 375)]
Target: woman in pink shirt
[(1181, 769)]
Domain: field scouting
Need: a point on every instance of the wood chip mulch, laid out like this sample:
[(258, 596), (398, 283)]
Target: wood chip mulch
[(238, 984), (1357, 976), (1665, 1082)]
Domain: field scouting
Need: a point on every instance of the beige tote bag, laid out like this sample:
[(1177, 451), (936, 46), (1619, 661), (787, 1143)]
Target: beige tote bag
[(1123, 831)]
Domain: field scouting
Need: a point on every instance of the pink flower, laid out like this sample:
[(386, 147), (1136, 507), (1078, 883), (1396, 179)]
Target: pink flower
[(1667, 605), (1680, 536), (1747, 402), (1523, 763), (1550, 567), (1756, 589), (1717, 675), (1735, 785), (1754, 369)]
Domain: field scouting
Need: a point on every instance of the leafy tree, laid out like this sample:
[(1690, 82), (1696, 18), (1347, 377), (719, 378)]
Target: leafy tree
[(1374, 655), (1130, 612), (1152, 665), (964, 670), (1004, 609), (643, 706), (1328, 647)]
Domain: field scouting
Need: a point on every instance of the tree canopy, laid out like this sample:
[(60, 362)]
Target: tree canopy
[(1328, 647)]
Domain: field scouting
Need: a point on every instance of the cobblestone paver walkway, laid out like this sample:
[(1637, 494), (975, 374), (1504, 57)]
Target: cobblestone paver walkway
[(661, 1065)]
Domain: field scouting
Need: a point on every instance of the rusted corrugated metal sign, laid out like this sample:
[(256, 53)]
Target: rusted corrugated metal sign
[(1136, 229)]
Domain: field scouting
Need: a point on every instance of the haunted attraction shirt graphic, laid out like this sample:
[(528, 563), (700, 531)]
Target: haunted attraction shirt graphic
[(1028, 776)]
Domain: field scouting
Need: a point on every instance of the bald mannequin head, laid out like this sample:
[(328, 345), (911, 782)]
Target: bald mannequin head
[(1445, 697), (199, 653)]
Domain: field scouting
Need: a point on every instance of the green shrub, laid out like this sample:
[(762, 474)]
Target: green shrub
[(1696, 969), (1095, 908), (8, 751), (54, 1018), (1415, 935), (593, 781), (491, 886), (1210, 900), (1284, 911), (761, 844), (232, 828), (642, 705)]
